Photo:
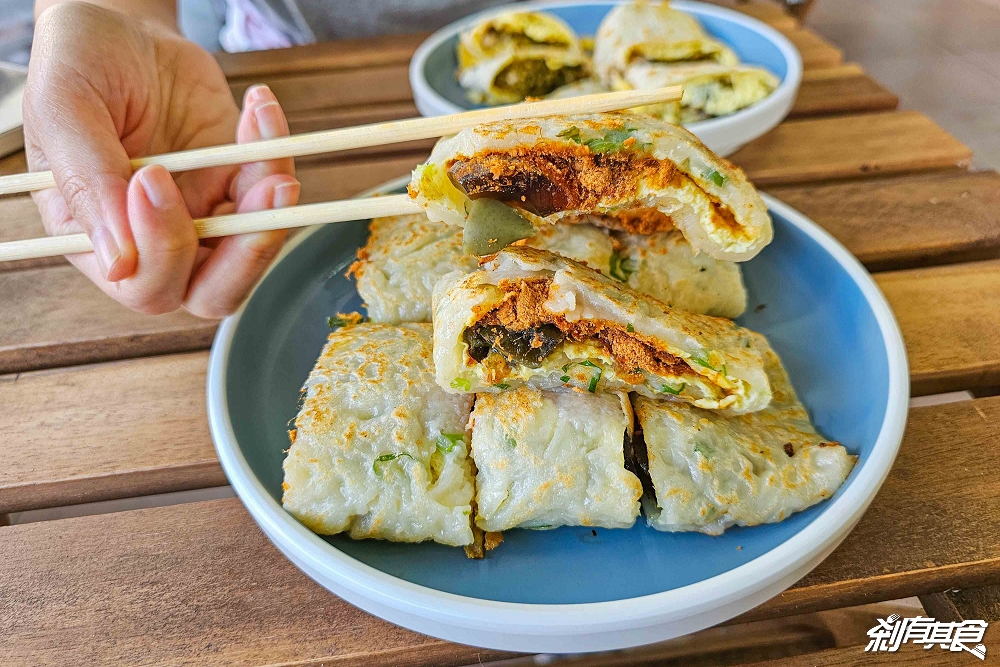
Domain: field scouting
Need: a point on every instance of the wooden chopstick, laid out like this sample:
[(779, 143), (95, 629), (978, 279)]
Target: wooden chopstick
[(363, 136), (236, 223)]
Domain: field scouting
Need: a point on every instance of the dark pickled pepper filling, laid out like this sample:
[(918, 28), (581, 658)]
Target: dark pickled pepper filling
[(528, 347), (637, 460)]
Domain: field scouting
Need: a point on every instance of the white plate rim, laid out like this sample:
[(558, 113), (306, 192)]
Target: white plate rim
[(463, 613), (778, 102)]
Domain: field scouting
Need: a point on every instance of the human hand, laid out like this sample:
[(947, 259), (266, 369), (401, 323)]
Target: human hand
[(103, 88)]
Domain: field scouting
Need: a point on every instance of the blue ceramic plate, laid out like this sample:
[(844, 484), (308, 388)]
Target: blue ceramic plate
[(570, 589), (434, 66)]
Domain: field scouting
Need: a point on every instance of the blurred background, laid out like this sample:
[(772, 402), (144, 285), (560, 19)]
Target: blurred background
[(941, 57)]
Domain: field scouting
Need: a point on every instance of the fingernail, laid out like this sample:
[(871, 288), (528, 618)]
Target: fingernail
[(258, 91), (159, 187), (270, 120), (106, 248), (286, 194)]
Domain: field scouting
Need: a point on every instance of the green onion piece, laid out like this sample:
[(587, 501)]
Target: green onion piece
[(592, 387), (703, 448), (589, 363), (511, 441), (670, 390), (342, 320), (716, 177), (613, 141), (447, 441), (622, 268), (724, 371), (703, 361), (564, 378), (566, 366), (389, 457), (461, 383), (572, 133), (502, 385), (629, 328)]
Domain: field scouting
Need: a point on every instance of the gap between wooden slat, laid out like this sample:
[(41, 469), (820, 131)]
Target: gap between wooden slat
[(908, 221), (339, 55)]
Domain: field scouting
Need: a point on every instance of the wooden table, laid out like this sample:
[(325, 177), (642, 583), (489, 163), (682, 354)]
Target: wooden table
[(98, 403)]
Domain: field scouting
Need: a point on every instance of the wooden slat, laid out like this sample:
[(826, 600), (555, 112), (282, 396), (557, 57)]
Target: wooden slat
[(908, 221), (949, 316), (199, 582), (106, 431), (763, 10), (929, 528), (15, 163), (339, 180), (53, 316), (325, 119), (815, 149), (840, 89), (948, 343), (57, 317), (320, 90), (795, 151), (815, 51), (955, 606), (21, 221), (188, 584), (855, 656), (339, 55)]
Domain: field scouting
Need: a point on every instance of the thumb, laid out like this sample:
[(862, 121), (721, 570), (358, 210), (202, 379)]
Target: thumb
[(78, 139)]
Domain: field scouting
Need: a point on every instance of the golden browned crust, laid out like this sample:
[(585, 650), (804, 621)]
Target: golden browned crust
[(522, 308)]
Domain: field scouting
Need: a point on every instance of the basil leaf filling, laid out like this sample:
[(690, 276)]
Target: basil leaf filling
[(491, 226)]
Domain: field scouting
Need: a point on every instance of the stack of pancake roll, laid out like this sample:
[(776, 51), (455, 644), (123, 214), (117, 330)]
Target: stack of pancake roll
[(551, 343), (516, 55)]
